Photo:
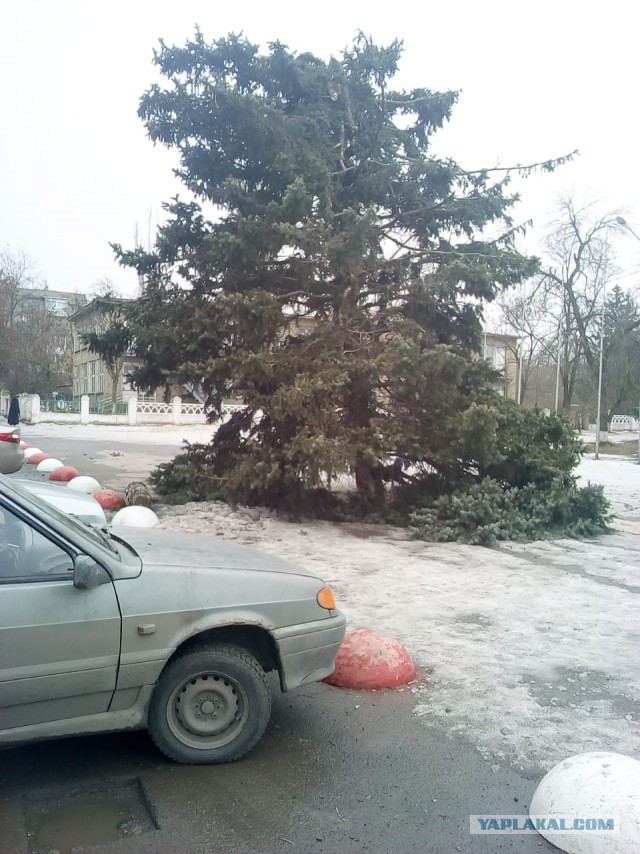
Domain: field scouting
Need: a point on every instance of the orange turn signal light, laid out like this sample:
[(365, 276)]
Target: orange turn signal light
[(325, 599)]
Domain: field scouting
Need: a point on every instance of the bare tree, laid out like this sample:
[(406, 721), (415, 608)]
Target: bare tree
[(35, 340), (104, 287), (16, 273), (524, 312), (558, 314), (580, 269)]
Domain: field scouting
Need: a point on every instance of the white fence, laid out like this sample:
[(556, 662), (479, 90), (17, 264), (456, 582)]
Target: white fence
[(5, 401), (138, 412), (623, 422)]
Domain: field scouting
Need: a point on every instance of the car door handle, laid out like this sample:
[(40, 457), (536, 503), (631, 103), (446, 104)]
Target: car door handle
[(147, 629)]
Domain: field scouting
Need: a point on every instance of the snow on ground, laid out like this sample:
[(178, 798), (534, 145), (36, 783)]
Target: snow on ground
[(620, 477), (614, 437), (531, 652), (148, 434)]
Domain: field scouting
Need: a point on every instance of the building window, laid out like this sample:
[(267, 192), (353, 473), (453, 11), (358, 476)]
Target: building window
[(497, 356), (93, 373)]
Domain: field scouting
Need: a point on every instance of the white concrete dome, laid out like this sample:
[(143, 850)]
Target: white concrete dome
[(31, 452), (592, 786), (135, 517), (83, 484), (49, 465)]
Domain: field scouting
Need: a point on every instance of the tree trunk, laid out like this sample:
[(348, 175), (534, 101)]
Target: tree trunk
[(114, 391), (369, 483)]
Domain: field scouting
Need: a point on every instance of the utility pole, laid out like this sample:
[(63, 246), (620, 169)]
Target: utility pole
[(521, 362), (558, 367), (598, 420)]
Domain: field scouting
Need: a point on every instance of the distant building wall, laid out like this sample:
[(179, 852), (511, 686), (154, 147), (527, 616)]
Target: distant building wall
[(502, 352), (90, 374), (60, 303)]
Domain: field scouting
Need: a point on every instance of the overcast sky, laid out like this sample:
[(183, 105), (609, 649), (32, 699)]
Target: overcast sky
[(78, 172)]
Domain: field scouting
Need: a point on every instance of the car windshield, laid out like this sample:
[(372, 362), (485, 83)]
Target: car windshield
[(97, 536)]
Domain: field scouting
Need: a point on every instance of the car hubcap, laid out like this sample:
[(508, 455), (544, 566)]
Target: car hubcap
[(207, 710)]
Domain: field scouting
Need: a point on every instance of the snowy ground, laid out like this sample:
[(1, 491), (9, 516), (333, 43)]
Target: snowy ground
[(614, 437), (532, 653), (160, 434)]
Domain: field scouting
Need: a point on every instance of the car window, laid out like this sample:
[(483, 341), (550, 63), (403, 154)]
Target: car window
[(26, 554), (72, 524)]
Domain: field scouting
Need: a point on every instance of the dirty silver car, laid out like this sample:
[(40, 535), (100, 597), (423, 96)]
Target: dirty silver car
[(165, 630), (11, 454)]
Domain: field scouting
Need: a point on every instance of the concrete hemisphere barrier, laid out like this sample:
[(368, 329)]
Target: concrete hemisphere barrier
[(83, 483), (48, 465), (36, 459), (109, 499), (64, 474), (135, 517), (592, 788), (368, 659)]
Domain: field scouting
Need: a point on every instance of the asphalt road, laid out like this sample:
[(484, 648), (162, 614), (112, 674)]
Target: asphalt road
[(338, 771), (114, 465)]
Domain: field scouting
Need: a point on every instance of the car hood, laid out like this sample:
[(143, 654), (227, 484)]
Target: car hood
[(180, 549), (79, 504)]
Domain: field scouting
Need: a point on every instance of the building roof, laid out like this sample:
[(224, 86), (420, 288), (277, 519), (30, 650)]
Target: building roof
[(91, 306), (50, 298), (502, 337)]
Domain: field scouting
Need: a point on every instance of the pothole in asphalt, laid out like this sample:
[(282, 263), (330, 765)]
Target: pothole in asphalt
[(59, 822)]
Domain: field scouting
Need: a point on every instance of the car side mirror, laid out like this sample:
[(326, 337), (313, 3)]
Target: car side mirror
[(87, 573)]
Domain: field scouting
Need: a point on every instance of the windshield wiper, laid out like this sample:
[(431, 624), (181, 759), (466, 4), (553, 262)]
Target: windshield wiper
[(105, 537), (117, 539), (103, 533)]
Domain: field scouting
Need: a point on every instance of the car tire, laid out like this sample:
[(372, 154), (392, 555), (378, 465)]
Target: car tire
[(211, 705)]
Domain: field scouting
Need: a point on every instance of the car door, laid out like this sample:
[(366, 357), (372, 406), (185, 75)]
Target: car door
[(59, 646)]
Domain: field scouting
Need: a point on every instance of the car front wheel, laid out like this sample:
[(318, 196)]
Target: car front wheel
[(210, 705)]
